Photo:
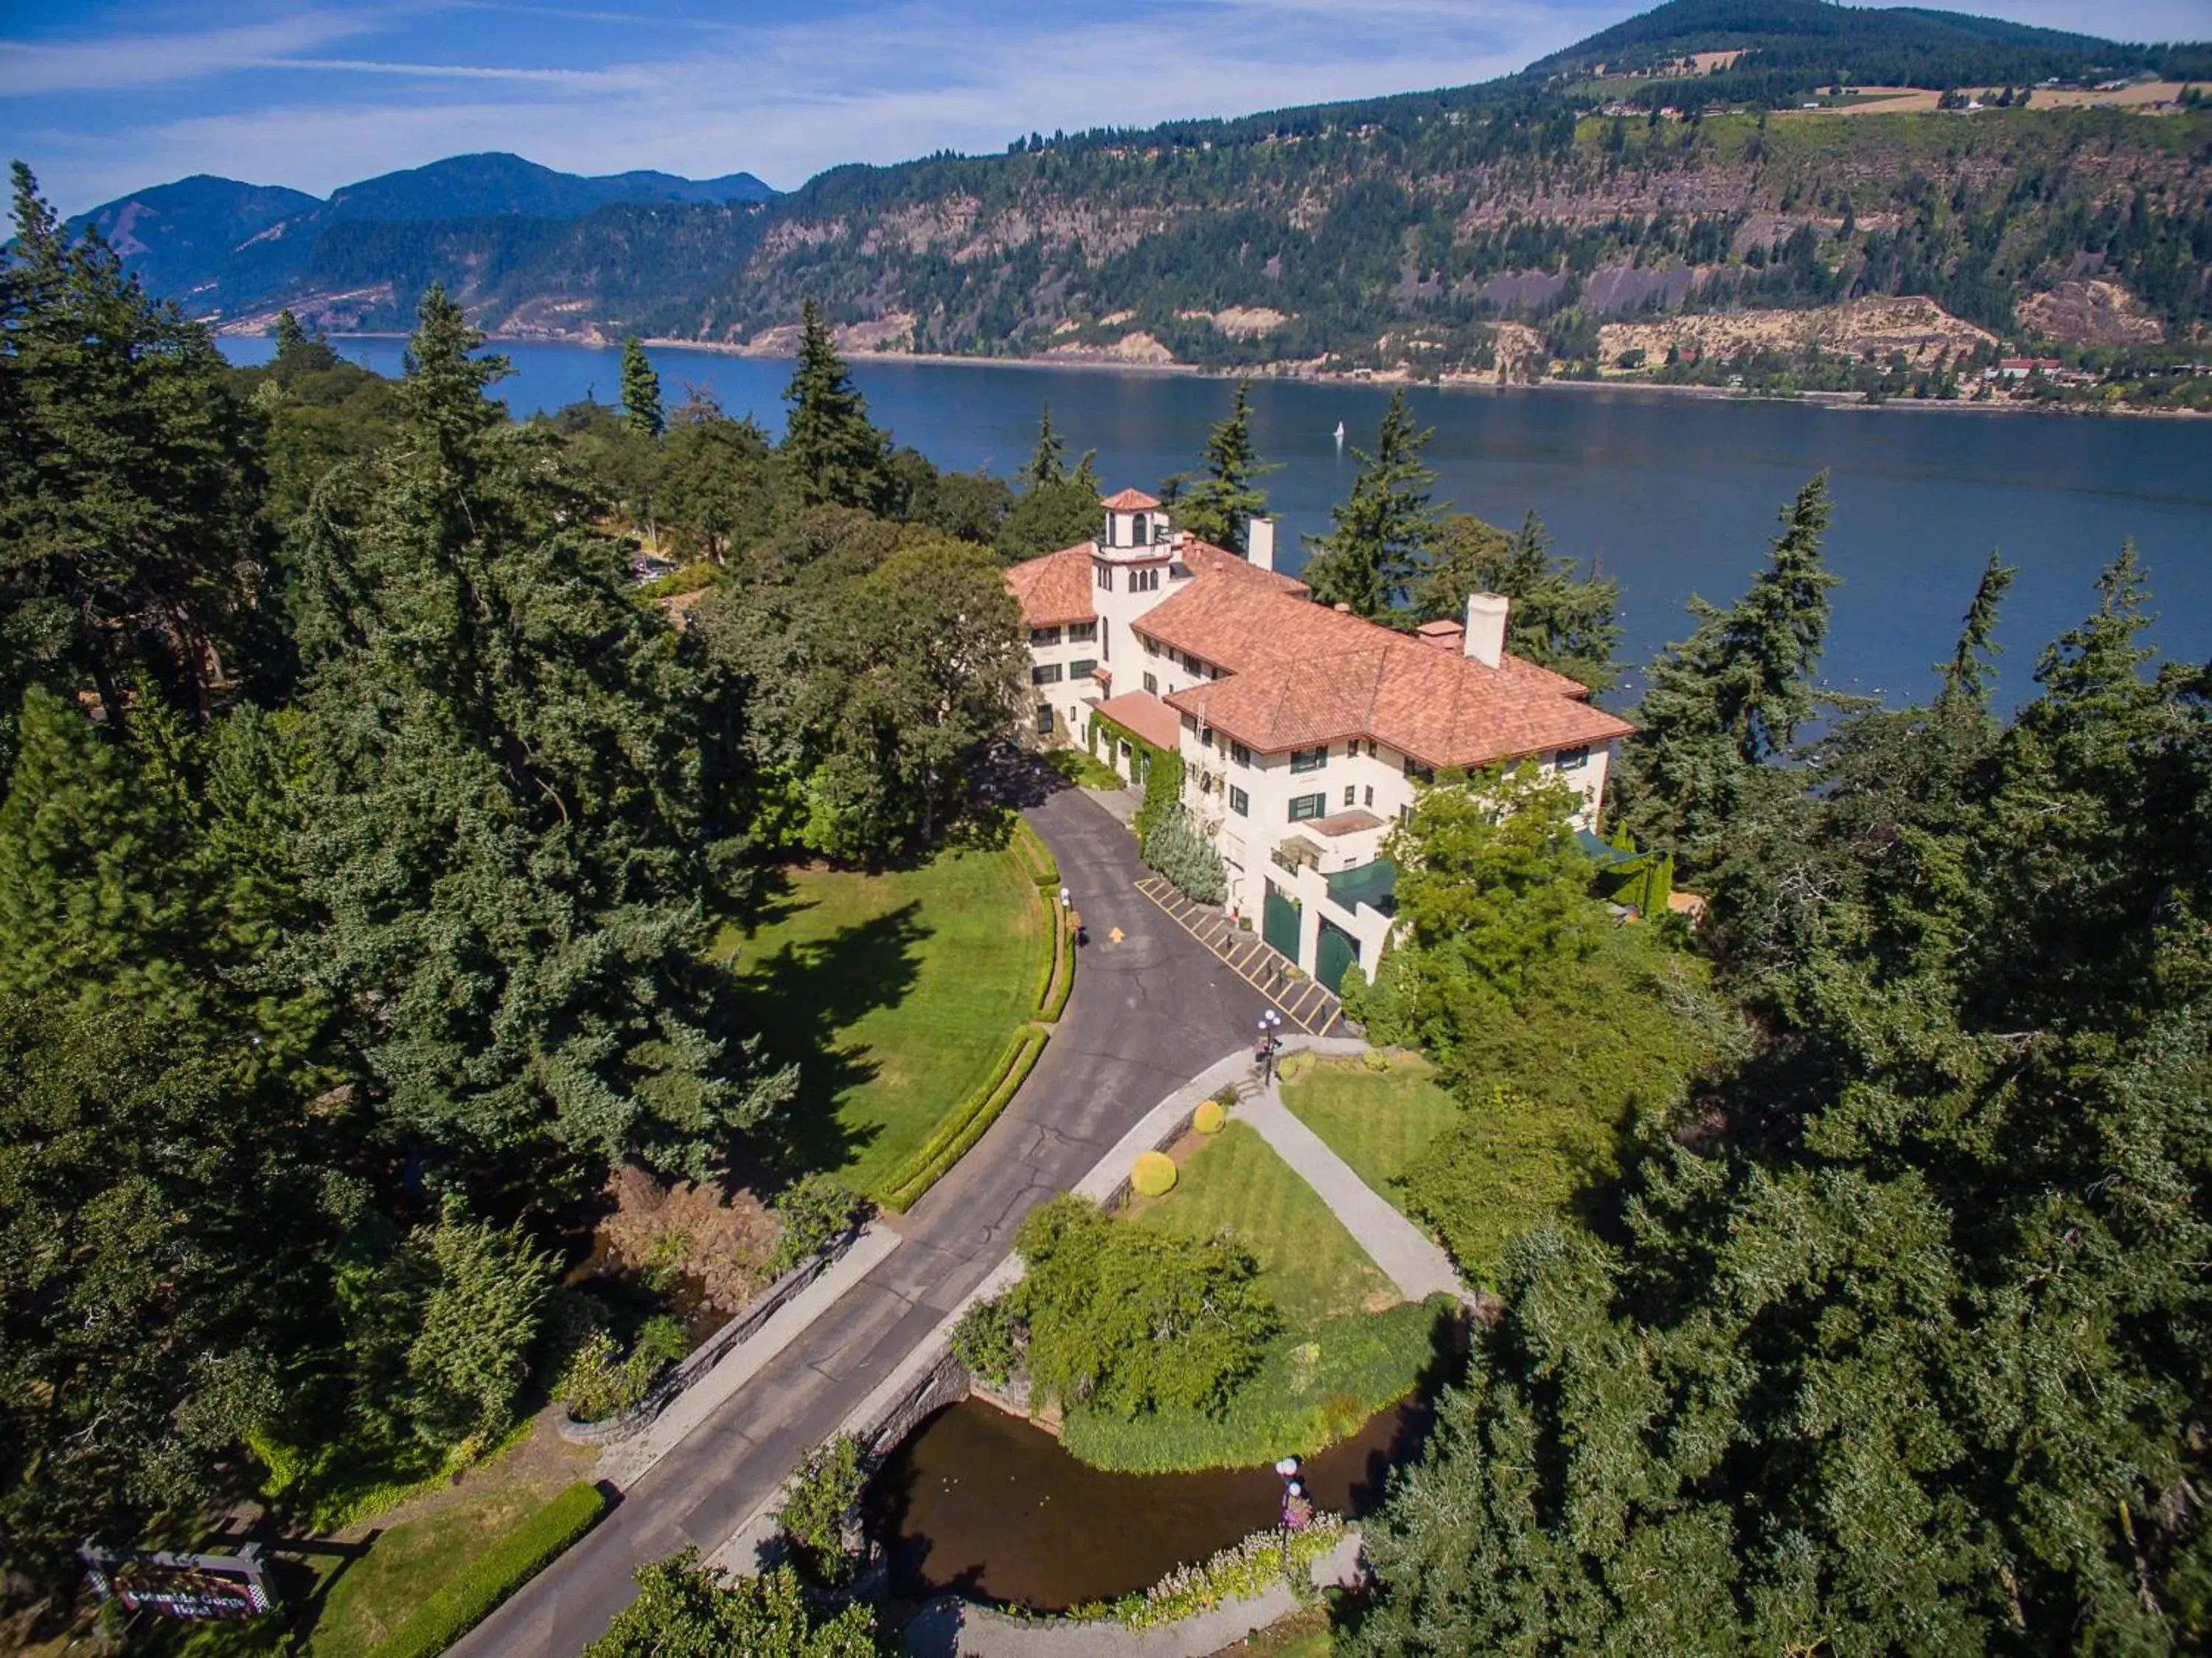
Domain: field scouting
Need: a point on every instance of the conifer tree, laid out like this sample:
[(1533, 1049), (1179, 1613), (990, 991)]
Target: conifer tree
[(1226, 496), (1384, 529), (1560, 621), (1718, 704), (1967, 675), (838, 458), (1047, 466), (503, 831), (98, 895), (640, 391), (131, 551)]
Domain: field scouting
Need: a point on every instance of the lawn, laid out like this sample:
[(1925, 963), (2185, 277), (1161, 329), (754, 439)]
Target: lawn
[(1349, 1346), (892, 993), (1380, 1121), (1235, 1183)]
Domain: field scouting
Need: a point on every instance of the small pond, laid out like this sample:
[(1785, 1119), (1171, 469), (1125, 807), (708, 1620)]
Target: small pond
[(981, 1503)]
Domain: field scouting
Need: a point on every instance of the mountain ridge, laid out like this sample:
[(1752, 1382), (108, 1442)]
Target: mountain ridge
[(1434, 232)]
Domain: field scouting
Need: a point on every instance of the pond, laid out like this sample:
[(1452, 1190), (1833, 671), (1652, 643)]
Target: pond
[(981, 1503)]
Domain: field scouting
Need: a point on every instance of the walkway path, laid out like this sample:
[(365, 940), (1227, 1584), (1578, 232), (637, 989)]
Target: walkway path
[(1417, 1267), (1147, 1015)]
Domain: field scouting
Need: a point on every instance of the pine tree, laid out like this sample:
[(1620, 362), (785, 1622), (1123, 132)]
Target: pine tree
[(837, 456), (1046, 467), (640, 391), (502, 833), (1384, 529), (1226, 496)]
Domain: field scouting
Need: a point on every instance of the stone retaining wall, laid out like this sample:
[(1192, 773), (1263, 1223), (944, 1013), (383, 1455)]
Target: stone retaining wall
[(708, 1354)]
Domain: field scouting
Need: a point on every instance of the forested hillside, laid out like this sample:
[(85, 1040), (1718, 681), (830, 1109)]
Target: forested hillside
[(1662, 168)]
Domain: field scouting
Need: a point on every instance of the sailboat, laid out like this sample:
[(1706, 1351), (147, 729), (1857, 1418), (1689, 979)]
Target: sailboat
[(1340, 433)]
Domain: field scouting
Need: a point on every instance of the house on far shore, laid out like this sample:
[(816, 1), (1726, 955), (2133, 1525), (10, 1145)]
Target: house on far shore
[(1305, 731)]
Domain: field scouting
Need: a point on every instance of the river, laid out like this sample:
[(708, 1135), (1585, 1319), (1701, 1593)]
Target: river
[(1672, 494)]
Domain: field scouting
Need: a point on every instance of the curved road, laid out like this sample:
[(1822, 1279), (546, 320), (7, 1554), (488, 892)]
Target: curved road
[(1147, 1015)]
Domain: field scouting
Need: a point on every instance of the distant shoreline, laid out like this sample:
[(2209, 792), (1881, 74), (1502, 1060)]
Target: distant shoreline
[(1839, 400)]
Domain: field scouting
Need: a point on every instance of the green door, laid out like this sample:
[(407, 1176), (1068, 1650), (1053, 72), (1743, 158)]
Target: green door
[(1339, 950), (1279, 922)]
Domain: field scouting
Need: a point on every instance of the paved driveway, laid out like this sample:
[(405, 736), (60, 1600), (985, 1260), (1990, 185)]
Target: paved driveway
[(1146, 1013)]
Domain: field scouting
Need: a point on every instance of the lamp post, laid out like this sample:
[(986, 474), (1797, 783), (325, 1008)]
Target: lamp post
[(1268, 1044)]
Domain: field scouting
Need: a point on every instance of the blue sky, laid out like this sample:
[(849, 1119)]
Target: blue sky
[(105, 96)]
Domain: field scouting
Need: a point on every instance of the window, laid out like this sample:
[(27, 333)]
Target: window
[(1178, 571), (1044, 719), (1571, 759), (1241, 754), (1082, 667), (1416, 770), (1308, 759), (1145, 580), (1141, 530), (1082, 633), (1347, 793), (1045, 674), (1307, 805), (1105, 573), (1152, 685), (1190, 723), (1371, 795), (1239, 801), (1044, 635)]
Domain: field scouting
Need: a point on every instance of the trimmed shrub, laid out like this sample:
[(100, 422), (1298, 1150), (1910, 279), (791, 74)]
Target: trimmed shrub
[(1209, 1117), (446, 1616), (1153, 1174)]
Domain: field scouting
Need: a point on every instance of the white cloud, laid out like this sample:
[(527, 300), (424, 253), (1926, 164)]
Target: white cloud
[(705, 95)]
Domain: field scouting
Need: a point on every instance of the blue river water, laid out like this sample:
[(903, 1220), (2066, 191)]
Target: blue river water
[(1672, 494)]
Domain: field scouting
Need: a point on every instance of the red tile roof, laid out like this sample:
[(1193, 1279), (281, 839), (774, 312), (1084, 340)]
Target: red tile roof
[(1055, 589), (1128, 501), (1145, 714), (1203, 555), (1300, 674)]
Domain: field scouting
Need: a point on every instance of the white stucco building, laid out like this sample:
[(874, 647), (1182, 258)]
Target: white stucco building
[(1303, 731)]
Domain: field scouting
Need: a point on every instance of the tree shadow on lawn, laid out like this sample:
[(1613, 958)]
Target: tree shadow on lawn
[(798, 1000)]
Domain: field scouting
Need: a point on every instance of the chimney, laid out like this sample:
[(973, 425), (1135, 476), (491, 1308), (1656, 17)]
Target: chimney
[(1444, 636), (1486, 627), (1260, 542)]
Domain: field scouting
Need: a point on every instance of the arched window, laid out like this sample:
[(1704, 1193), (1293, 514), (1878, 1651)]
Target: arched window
[(1142, 533)]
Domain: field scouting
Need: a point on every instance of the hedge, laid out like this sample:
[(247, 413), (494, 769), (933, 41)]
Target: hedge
[(1065, 954), (1055, 922), (1030, 846), (958, 1134), (451, 1613)]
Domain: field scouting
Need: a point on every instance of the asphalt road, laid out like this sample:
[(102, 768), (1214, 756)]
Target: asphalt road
[(1147, 1015)]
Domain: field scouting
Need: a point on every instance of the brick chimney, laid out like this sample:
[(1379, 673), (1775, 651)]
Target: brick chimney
[(1260, 542), (1485, 626), (1442, 636)]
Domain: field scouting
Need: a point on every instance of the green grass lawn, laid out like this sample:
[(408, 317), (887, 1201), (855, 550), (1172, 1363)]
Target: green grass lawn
[(1311, 1266), (1349, 1347), (1379, 1121), (892, 993), (411, 1561)]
